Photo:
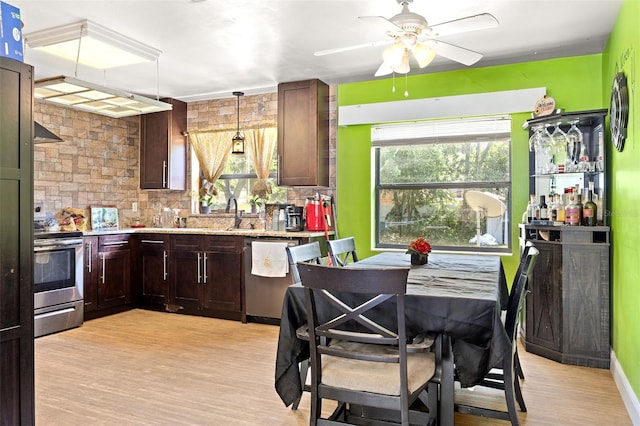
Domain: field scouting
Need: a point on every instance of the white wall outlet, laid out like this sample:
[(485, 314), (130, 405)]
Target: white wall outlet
[(134, 207)]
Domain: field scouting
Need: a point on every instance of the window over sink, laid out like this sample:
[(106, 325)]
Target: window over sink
[(237, 179)]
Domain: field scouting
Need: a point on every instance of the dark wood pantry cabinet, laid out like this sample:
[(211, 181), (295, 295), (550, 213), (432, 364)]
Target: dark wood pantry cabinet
[(16, 244), (303, 133), (163, 148)]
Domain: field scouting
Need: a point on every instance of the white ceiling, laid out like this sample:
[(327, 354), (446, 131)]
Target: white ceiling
[(213, 47)]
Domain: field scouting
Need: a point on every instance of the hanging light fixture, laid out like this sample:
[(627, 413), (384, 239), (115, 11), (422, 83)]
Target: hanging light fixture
[(237, 143)]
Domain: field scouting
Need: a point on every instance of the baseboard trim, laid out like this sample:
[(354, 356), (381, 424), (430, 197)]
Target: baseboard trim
[(626, 392)]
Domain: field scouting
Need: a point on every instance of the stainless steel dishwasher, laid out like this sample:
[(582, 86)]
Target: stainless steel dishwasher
[(264, 295)]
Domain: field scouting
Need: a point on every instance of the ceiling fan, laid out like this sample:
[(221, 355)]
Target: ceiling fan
[(410, 32)]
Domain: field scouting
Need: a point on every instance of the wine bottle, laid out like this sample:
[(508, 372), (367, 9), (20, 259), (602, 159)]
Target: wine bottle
[(561, 211), (544, 211), (589, 211), (532, 208)]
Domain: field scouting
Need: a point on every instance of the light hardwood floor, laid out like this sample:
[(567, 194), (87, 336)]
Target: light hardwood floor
[(152, 368)]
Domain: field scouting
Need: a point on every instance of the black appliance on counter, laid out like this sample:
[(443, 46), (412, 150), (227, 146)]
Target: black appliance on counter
[(295, 221), (58, 271)]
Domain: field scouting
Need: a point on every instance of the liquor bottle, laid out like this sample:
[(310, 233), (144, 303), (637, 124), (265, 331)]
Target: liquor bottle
[(579, 204), (589, 211), (553, 207), (532, 208), (544, 211), (561, 211), (572, 212)]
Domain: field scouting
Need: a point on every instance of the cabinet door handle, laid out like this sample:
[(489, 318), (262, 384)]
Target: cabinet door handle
[(89, 251), (164, 174), (116, 243), (164, 263), (199, 268), (204, 267), (152, 241), (104, 268)]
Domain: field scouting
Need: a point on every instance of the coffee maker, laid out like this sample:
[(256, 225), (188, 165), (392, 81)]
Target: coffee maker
[(294, 219)]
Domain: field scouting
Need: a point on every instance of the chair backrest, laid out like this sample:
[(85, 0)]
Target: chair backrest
[(518, 291), (523, 258), (341, 305), (340, 250), (303, 253)]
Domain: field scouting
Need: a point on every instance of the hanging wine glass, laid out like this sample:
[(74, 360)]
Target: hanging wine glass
[(546, 150), (534, 140), (558, 144), (575, 142)]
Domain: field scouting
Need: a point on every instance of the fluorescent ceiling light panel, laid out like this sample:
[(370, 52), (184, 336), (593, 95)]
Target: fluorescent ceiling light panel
[(99, 46), (73, 93)]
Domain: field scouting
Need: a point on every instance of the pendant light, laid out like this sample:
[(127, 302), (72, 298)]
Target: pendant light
[(237, 143)]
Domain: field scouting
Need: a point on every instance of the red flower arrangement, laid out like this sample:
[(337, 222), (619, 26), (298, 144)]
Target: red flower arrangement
[(419, 246)]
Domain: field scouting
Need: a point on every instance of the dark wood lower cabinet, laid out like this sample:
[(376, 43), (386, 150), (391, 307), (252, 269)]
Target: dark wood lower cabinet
[(206, 275), (153, 270), (107, 280), (567, 308)]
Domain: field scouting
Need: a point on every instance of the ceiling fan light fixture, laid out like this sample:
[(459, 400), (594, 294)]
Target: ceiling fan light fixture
[(393, 55), (423, 54), (237, 143), (404, 67)]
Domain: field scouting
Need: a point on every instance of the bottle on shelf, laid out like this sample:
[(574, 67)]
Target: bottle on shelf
[(579, 204), (589, 211), (532, 207), (560, 207), (553, 207), (572, 212), (544, 210)]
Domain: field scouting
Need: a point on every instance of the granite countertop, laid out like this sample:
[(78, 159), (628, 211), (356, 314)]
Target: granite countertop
[(212, 231)]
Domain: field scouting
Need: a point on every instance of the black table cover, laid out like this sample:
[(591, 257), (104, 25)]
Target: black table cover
[(458, 295)]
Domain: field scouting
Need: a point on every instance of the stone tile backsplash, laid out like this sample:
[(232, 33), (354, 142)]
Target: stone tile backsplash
[(98, 162)]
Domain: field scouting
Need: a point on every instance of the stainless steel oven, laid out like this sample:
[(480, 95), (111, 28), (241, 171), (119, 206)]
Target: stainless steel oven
[(58, 281)]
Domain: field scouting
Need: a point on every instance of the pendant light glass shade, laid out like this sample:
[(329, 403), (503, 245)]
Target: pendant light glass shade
[(237, 143)]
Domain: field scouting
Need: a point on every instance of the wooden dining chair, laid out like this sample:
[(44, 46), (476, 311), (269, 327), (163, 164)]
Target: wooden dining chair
[(342, 250), (510, 300), (358, 345), (504, 376), (302, 253)]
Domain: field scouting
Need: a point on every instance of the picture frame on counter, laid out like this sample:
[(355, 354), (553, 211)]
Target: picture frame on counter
[(104, 218)]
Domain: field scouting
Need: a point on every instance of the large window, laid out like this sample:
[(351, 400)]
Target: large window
[(446, 180)]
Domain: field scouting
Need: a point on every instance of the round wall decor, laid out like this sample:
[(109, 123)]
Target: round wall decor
[(619, 110)]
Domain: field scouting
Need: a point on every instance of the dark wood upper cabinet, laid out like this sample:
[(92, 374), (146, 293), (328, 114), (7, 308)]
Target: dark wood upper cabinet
[(163, 148), (303, 133), (16, 244)]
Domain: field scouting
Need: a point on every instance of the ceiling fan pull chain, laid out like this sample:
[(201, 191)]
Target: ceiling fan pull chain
[(406, 90)]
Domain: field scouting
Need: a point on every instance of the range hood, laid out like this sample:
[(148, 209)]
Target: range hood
[(43, 135)]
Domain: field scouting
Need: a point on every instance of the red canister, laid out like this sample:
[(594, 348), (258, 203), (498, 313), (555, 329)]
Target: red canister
[(318, 214)]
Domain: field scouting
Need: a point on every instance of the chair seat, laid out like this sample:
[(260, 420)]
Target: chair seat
[(376, 377)]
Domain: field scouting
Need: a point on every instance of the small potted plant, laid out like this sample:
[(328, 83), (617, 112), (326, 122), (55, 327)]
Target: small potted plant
[(206, 201), (419, 250)]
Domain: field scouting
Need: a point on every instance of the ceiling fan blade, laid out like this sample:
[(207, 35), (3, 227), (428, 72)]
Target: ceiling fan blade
[(463, 25), (382, 21), (456, 53), (384, 69), (354, 47)]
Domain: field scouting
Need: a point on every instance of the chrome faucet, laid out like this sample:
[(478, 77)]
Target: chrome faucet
[(237, 217)]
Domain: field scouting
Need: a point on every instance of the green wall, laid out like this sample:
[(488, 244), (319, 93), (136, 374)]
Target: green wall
[(575, 84), (620, 55)]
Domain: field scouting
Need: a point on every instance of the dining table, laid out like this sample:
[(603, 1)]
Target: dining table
[(455, 295)]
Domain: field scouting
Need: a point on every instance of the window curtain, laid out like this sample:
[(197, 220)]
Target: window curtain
[(261, 143), (212, 148)]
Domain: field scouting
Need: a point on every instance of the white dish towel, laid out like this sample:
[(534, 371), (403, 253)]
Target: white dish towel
[(269, 259)]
